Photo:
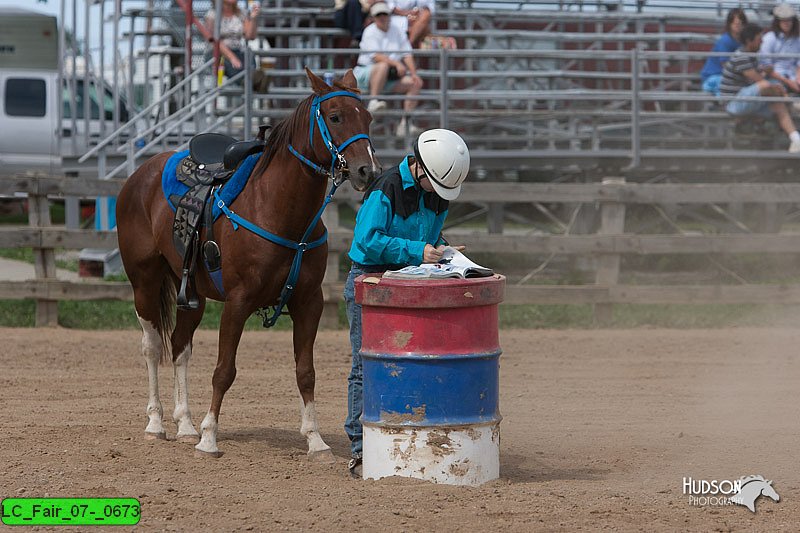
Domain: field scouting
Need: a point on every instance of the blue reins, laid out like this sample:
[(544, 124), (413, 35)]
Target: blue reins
[(337, 161)]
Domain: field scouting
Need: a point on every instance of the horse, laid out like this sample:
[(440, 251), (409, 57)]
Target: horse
[(751, 488), (284, 198)]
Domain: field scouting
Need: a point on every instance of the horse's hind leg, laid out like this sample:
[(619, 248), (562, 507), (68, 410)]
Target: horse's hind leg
[(185, 325), (306, 321), (152, 302)]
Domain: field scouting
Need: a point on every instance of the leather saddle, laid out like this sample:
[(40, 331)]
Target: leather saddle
[(216, 149), (212, 159)]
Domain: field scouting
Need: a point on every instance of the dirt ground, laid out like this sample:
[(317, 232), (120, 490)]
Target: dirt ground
[(599, 429)]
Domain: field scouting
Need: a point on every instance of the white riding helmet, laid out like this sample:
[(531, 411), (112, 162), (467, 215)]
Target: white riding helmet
[(444, 156)]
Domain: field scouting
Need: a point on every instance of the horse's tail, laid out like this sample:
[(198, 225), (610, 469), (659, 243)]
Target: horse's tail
[(166, 316)]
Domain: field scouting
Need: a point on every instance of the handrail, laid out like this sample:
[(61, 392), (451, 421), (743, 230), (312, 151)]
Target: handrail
[(164, 98), (177, 118)]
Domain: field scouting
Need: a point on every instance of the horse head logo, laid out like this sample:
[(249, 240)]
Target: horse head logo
[(751, 488)]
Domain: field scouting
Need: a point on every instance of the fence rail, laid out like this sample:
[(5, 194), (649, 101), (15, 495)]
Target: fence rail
[(606, 246)]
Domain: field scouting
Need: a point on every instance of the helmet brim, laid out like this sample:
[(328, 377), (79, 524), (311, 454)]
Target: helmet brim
[(446, 194)]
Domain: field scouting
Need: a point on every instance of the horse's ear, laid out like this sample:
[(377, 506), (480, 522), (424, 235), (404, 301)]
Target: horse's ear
[(349, 79), (317, 84)]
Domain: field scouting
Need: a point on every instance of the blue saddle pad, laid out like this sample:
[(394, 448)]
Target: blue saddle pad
[(171, 186)]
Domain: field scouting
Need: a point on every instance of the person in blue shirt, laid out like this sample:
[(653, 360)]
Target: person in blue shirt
[(783, 39), (727, 42), (399, 224)]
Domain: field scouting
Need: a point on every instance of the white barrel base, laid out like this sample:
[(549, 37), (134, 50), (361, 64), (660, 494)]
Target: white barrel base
[(466, 455)]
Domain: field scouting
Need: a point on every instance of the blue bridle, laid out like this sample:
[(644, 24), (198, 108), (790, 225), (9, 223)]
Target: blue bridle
[(317, 119), (338, 162)]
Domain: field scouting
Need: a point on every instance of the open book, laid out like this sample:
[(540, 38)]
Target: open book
[(453, 264)]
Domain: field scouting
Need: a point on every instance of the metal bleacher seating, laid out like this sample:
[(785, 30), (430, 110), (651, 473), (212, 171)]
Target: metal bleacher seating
[(608, 85)]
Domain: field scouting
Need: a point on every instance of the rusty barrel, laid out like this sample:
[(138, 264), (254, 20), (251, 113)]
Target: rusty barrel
[(431, 352)]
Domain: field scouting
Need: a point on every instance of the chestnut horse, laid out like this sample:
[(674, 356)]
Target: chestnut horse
[(284, 197)]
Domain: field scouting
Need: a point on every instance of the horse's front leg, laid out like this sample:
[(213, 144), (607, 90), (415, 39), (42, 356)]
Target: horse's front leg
[(230, 332), (185, 326), (306, 321)]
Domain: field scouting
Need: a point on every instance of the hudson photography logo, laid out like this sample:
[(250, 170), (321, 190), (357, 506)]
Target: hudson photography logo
[(743, 491)]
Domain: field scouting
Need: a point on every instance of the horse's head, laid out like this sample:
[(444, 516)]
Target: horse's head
[(768, 491), (345, 139)]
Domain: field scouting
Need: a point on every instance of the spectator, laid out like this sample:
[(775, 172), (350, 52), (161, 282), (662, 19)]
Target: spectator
[(783, 39), (741, 78), (399, 224), (727, 42), (350, 15), (235, 29), (391, 72), (413, 17)]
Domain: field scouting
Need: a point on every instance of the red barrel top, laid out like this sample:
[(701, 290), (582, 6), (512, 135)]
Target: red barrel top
[(429, 293)]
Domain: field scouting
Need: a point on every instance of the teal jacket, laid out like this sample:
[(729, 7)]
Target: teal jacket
[(396, 221)]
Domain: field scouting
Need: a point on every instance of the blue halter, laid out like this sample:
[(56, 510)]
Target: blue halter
[(316, 119), (337, 162)]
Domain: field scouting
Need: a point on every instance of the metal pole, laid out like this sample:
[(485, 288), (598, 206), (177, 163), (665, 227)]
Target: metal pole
[(248, 93), (100, 88), (443, 86), (87, 108), (73, 80), (115, 62), (635, 128), (131, 57), (188, 39)]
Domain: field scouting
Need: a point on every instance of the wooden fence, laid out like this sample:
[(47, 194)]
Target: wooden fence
[(607, 245)]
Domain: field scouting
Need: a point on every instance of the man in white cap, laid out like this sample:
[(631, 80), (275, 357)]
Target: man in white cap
[(386, 64), (400, 224), (784, 38)]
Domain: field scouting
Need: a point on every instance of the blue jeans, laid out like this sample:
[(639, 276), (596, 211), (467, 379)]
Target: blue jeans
[(355, 381), (740, 108)]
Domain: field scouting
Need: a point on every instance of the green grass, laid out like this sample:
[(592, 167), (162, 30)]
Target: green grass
[(111, 315), (26, 254)]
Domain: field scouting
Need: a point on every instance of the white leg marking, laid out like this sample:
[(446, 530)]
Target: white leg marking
[(151, 349), (309, 428), (208, 442), (181, 415)]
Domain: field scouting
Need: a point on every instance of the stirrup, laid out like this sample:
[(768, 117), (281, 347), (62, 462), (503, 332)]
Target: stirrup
[(186, 303)]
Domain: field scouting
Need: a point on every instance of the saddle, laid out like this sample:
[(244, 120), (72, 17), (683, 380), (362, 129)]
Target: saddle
[(212, 159)]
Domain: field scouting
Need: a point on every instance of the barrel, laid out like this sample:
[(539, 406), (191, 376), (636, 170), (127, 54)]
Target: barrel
[(430, 351)]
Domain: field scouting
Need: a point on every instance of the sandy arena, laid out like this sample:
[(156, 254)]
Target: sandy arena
[(599, 429)]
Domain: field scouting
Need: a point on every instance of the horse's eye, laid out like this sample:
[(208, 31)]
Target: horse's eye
[(334, 118)]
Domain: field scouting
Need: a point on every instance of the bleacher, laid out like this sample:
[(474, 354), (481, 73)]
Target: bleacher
[(601, 86)]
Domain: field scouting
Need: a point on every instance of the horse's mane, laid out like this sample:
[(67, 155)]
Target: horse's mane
[(748, 479), (281, 134)]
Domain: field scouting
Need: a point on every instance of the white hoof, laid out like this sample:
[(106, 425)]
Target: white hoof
[(155, 436), (322, 456)]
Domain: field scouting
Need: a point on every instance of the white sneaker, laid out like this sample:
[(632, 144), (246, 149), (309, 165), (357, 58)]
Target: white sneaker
[(402, 126), (376, 105), (794, 147)]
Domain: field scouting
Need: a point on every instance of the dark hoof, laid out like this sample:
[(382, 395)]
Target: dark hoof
[(201, 453)]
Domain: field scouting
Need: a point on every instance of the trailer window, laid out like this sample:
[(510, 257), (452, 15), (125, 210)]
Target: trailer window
[(26, 97)]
